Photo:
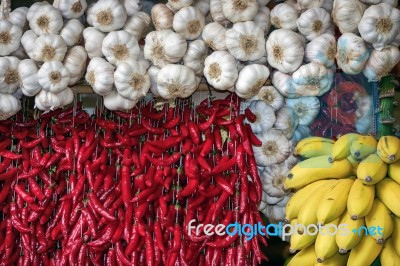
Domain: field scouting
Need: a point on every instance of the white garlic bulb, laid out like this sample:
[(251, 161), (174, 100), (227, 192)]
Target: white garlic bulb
[(285, 50), (49, 47), (137, 24), (220, 70), (119, 47), (27, 71), (328, 5), (262, 19), (273, 179), (189, 22), (176, 81), (153, 72), (72, 32), (347, 14), (132, 6), (239, 10), (203, 6), (312, 80), (100, 76), (162, 17), (283, 83), (46, 19), (393, 3), (321, 50), (53, 76), (75, 62), (307, 4), (9, 78), (214, 36), (9, 105), (195, 56), (107, 15), (275, 148), (352, 53), (176, 5), (271, 96), (287, 121), (380, 25), (306, 108), (93, 42), (18, 17), (245, 41), (265, 115), (71, 9), (114, 101), (47, 101), (10, 37), (131, 80), (217, 14), (251, 78), (33, 8), (381, 63), (164, 47), (284, 16), (27, 39), (314, 22)]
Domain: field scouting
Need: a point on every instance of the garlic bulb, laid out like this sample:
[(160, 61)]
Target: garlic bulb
[(49, 47), (20, 53), (93, 41), (137, 24), (107, 15), (312, 80), (321, 50), (283, 83), (75, 62), (393, 3), (239, 10), (18, 17), (33, 8), (380, 25), (245, 41), (195, 55), (287, 121), (262, 19), (274, 213), (217, 14), (119, 47), (153, 72), (131, 81), (114, 101), (189, 22), (285, 50), (9, 105), (263, 206), (271, 201), (10, 37), (313, 22), (141, 60), (100, 76), (176, 5), (352, 53), (300, 133), (27, 71), (275, 148), (273, 179), (71, 9), (162, 17), (47, 101), (175, 81), (27, 39), (214, 36), (72, 32), (132, 7), (164, 47), (46, 19), (328, 5), (9, 78), (306, 108), (53, 76), (347, 14), (292, 160), (381, 63), (271, 96), (220, 70), (203, 6), (307, 4), (284, 16), (251, 78), (265, 116)]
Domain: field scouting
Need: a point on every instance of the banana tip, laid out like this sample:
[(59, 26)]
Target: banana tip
[(392, 157), (368, 179), (342, 251), (354, 217), (292, 250), (380, 240), (319, 260)]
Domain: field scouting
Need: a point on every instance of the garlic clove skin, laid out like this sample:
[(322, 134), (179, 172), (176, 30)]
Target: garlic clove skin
[(72, 9), (46, 19), (220, 70), (284, 16), (393, 3), (72, 32), (203, 6), (49, 47), (189, 22), (131, 81), (347, 14), (214, 36), (107, 16), (9, 105), (283, 83), (100, 76), (352, 53), (195, 56), (27, 71), (239, 10), (115, 102), (53, 76), (287, 121), (162, 17), (275, 148), (18, 17), (328, 5), (306, 108), (153, 72), (176, 5), (250, 80), (132, 6), (137, 24), (312, 80), (93, 42), (10, 37), (27, 39), (380, 25), (265, 116), (321, 50), (314, 22), (217, 14), (273, 180), (47, 101), (245, 41), (380, 63), (9, 77), (75, 62), (262, 19), (120, 47), (308, 4), (271, 96)]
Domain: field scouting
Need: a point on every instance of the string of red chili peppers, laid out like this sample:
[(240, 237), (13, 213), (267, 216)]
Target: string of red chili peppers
[(121, 188)]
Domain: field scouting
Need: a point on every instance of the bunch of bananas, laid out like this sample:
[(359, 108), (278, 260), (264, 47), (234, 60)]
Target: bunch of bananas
[(347, 197)]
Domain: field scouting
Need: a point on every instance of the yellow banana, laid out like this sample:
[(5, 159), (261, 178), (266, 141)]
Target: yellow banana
[(325, 244), (300, 198), (301, 241), (313, 147), (362, 146), (316, 168), (336, 260), (372, 169), (389, 255), (389, 149), (341, 148), (346, 239), (365, 252), (380, 219), (396, 234), (394, 171), (360, 199), (354, 163), (304, 257), (388, 191)]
